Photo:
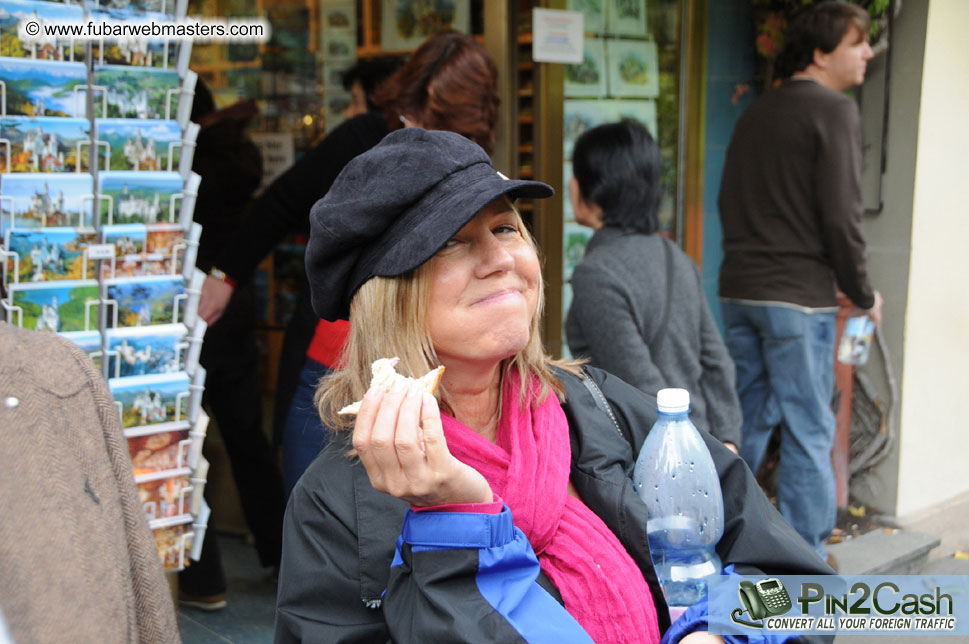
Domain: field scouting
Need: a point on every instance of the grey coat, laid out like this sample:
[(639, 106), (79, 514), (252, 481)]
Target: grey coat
[(619, 292)]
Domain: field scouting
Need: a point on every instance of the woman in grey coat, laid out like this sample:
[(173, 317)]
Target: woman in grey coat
[(638, 308)]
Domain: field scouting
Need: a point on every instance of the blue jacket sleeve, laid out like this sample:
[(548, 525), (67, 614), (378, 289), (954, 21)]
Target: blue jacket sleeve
[(468, 577)]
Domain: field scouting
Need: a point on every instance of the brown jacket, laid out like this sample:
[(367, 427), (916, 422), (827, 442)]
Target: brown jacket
[(77, 561)]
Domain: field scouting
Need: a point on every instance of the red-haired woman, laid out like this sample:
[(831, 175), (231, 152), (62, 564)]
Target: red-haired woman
[(449, 83)]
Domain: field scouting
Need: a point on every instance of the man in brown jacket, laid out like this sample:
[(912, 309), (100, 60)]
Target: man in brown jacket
[(77, 561), (790, 205)]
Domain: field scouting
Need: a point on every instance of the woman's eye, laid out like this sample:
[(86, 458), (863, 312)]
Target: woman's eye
[(506, 228)]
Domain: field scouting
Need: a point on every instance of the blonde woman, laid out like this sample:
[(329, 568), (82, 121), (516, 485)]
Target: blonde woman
[(502, 510)]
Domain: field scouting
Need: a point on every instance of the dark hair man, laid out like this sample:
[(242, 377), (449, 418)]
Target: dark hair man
[(790, 205)]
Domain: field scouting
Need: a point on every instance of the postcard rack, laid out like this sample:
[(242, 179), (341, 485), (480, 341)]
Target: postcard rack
[(97, 199)]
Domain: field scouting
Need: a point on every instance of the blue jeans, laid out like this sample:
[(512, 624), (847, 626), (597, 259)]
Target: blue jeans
[(785, 375), (304, 436)]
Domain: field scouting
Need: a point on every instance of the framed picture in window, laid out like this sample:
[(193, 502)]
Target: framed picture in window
[(588, 78), (633, 68), (626, 18), (405, 24)]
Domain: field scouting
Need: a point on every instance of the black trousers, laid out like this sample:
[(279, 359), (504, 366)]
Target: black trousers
[(233, 397)]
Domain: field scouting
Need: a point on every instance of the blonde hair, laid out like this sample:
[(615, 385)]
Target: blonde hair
[(388, 317)]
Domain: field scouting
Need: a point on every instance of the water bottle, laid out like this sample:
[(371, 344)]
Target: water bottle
[(676, 479), (856, 340)]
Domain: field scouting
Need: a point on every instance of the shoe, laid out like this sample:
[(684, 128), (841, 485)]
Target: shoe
[(833, 562), (203, 602)]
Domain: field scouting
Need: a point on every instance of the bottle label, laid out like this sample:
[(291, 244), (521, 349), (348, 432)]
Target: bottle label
[(696, 571)]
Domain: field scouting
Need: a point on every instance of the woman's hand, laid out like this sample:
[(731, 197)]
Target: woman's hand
[(400, 440)]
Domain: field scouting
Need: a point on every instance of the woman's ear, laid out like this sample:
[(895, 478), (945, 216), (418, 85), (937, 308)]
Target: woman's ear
[(586, 213)]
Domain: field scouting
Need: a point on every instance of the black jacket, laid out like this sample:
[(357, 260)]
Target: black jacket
[(339, 535)]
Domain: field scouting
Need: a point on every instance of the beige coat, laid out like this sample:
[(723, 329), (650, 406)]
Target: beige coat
[(77, 561)]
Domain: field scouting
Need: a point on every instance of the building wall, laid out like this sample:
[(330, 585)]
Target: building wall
[(889, 233), (935, 384)]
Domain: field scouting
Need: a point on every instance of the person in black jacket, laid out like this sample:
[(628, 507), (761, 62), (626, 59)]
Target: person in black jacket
[(231, 168), (508, 495)]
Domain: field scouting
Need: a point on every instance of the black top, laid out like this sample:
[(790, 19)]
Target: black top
[(790, 200), (339, 534), (284, 207), (230, 167)]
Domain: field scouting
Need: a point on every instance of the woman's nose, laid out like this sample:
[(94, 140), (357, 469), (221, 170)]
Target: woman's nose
[(494, 257)]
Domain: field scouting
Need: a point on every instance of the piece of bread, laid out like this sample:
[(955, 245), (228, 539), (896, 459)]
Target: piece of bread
[(384, 376)]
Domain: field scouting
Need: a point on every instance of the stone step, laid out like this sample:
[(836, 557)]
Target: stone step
[(946, 565), (884, 551)]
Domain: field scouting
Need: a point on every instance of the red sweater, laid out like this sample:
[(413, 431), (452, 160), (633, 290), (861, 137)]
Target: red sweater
[(328, 342)]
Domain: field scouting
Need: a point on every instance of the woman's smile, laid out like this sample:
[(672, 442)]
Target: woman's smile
[(501, 297)]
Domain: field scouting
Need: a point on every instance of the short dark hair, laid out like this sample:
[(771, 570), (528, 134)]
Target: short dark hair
[(820, 26), (370, 74), (619, 167)]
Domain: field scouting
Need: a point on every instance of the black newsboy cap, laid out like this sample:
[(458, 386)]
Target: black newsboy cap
[(393, 207)]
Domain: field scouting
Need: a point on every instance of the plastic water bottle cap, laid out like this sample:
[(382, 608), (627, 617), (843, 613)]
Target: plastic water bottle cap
[(673, 401)]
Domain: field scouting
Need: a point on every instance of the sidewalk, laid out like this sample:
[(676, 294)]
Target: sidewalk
[(248, 619)]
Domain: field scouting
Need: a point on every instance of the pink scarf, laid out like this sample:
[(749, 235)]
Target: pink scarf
[(528, 467)]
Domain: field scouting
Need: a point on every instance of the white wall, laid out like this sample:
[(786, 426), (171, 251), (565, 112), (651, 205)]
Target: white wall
[(934, 437)]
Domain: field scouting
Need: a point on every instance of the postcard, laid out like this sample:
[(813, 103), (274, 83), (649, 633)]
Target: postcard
[(43, 87), (15, 14), (55, 306), (626, 17), (142, 250), (164, 495), (46, 200), (633, 68), (589, 77), (133, 51), (144, 301), (49, 254), (139, 197), (594, 12), (152, 399), (167, 7), (579, 117), (89, 342), (139, 351), (339, 16), (336, 107), (44, 144), (333, 75), (405, 24), (147, 144), (158, 448), (135, 92), (174, 543), (575, 237), (567, 212), (642, 111)]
